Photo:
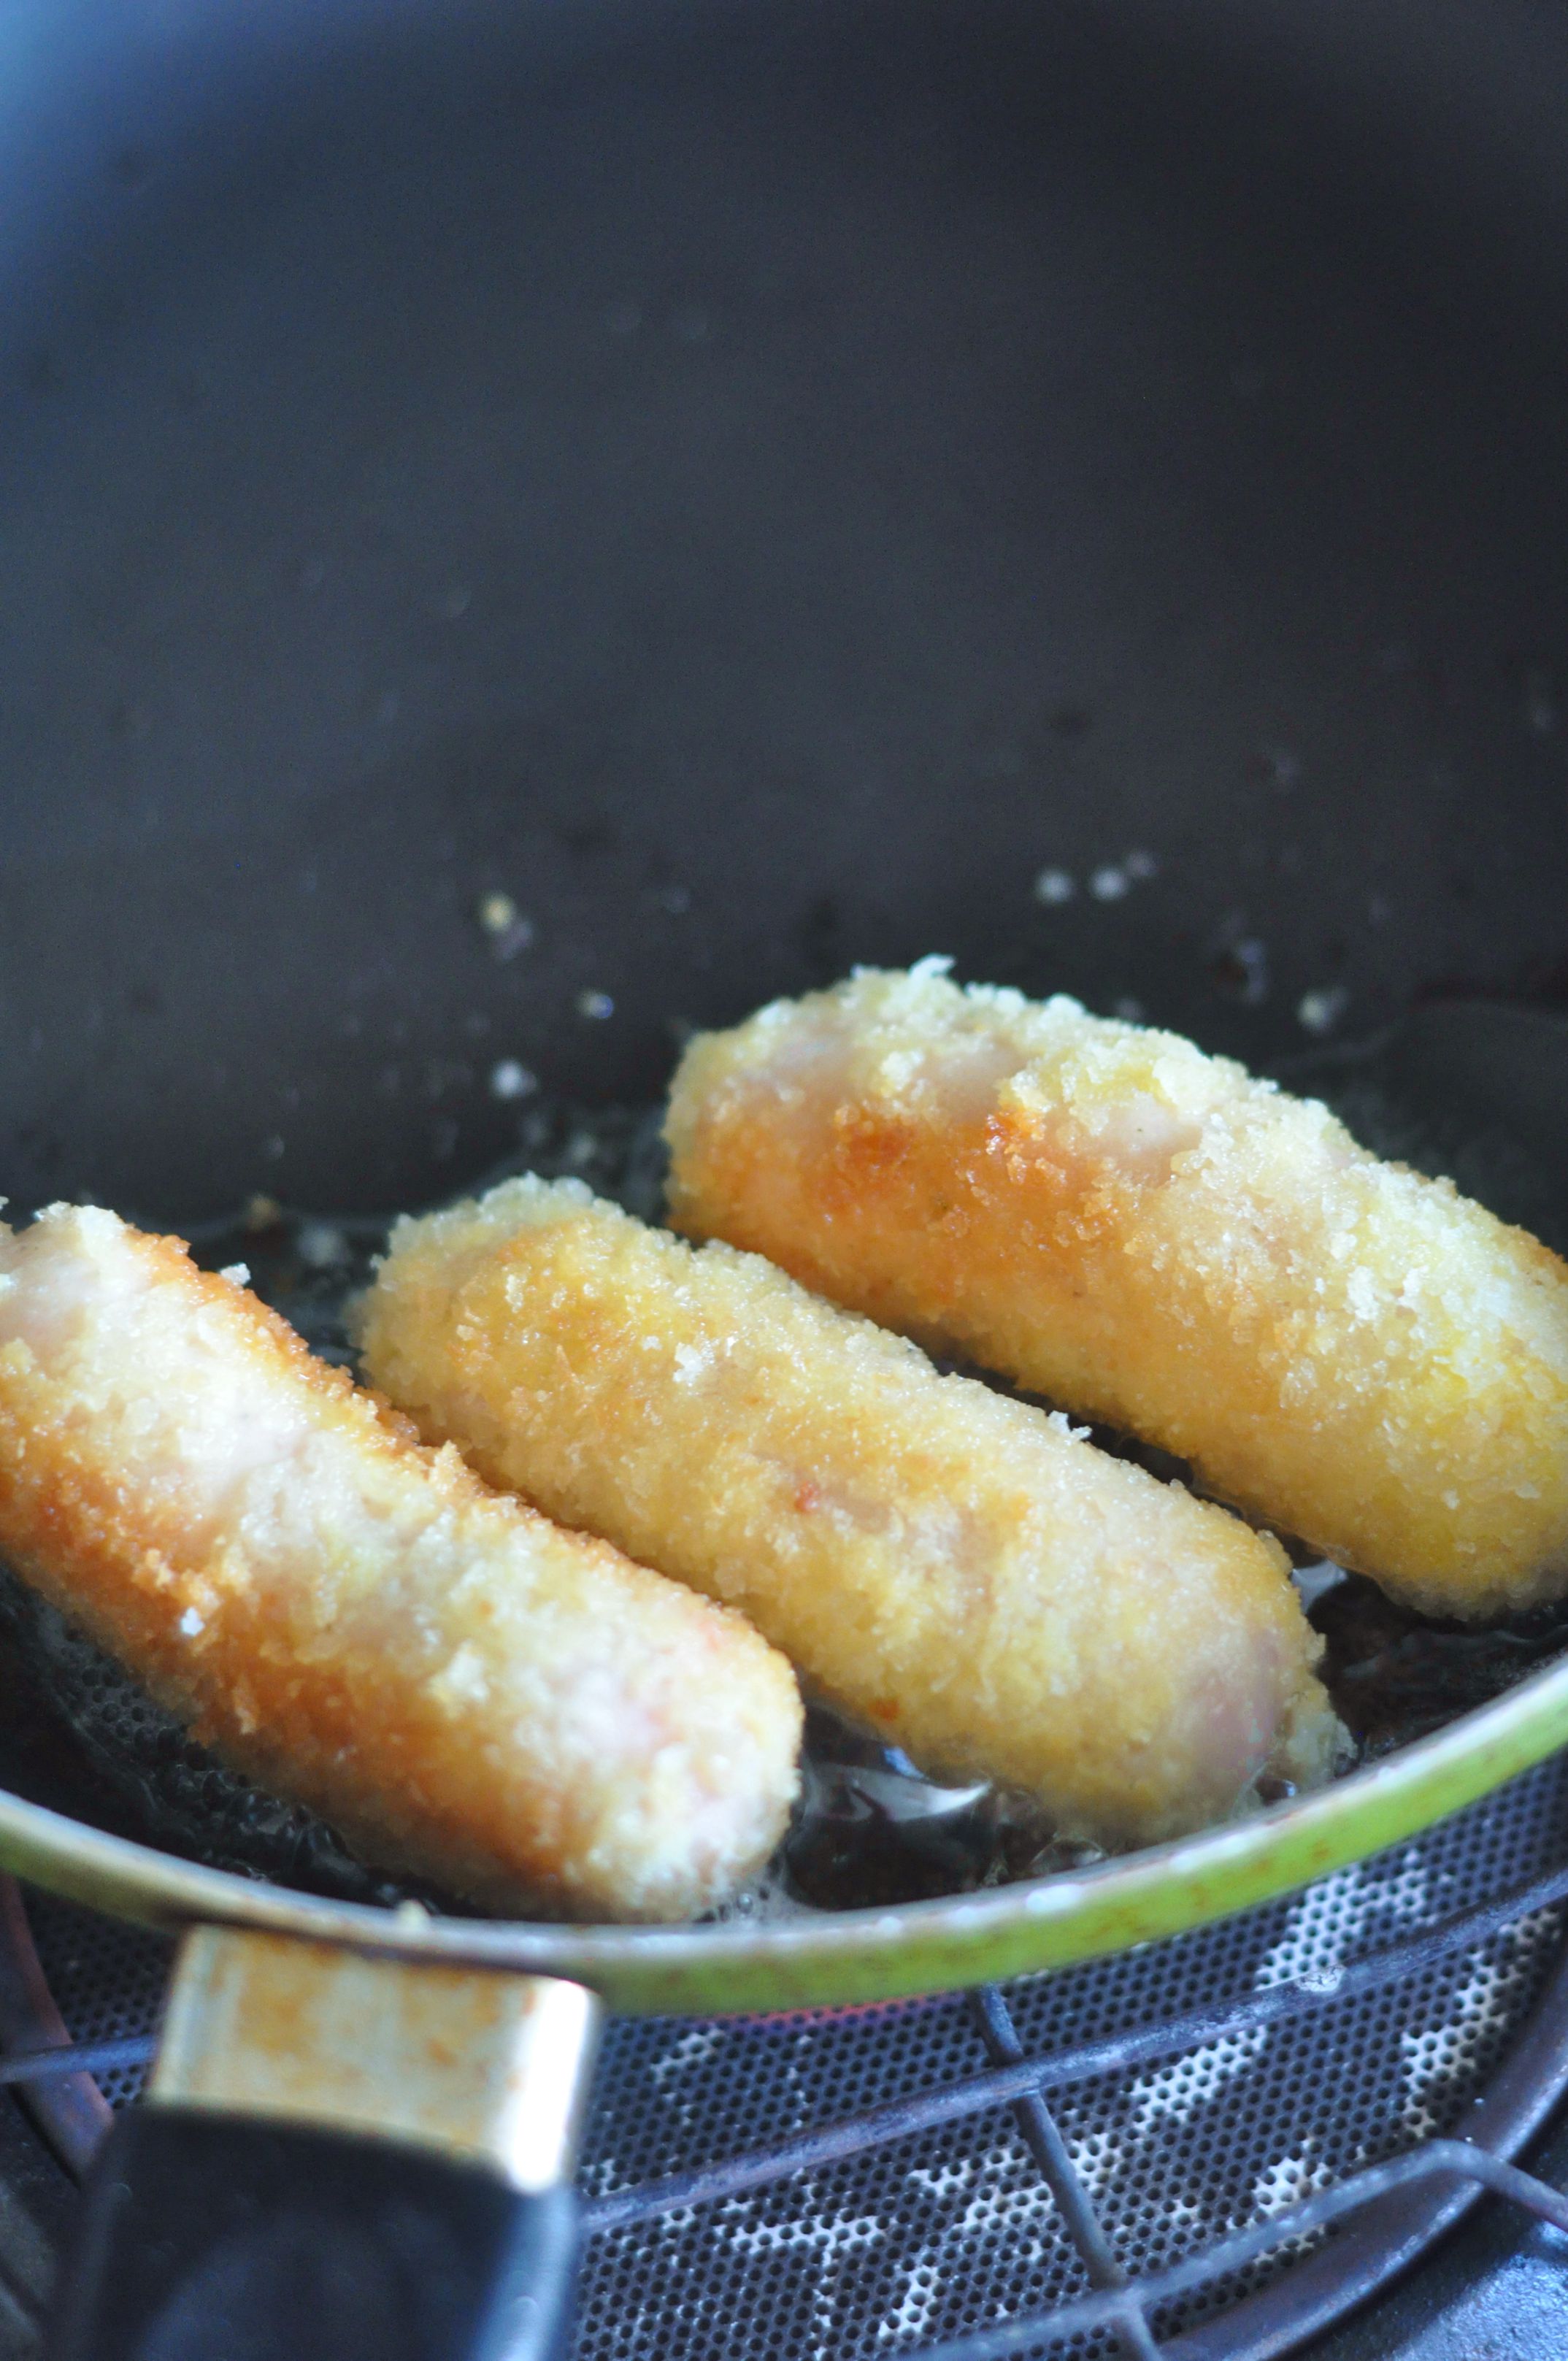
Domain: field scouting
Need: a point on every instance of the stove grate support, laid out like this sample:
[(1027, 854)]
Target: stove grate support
[(1353, 2233)]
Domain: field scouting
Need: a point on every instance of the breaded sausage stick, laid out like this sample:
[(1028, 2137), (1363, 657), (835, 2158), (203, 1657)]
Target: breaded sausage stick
[(1149, 1235), (463, 1689), (952, 1568)]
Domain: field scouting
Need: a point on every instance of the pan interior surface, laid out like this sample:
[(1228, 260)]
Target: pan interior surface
[(758, 488)]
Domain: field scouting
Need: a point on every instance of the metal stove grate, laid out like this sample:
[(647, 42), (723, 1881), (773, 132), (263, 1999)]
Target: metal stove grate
[(931, 2204), (928, 2236), (107, 1979)]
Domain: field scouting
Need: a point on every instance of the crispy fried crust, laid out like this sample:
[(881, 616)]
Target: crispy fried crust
[(469, 1692), (955, 1570), (1154, 1238)]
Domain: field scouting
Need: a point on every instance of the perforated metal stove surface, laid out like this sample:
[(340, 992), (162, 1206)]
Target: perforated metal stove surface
[(907, 2243)]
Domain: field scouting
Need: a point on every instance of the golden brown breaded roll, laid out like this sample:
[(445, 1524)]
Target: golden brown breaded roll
[(962, 1574), (1150, 1236), (466, 1691)]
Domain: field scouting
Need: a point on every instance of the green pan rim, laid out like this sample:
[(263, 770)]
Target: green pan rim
[(858, 1956)]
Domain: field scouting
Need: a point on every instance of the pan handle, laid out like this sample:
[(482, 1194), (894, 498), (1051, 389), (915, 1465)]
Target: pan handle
[(341, 2158), (205, 2236)]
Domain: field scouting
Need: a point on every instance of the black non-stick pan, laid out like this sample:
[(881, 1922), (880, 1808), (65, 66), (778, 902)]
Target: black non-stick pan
[(528, 528)]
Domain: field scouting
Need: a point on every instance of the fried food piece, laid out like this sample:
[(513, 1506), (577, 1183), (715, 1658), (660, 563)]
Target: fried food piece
[(960, 1574), (1151, 1238), (462, 1689)]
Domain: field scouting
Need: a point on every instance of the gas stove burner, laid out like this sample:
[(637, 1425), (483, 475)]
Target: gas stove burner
[(1212, 2147)]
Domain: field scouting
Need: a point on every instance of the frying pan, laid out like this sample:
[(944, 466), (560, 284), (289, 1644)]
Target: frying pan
[(756, 484)]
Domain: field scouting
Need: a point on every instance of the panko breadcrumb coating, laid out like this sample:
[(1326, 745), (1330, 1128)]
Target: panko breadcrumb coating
[(961, 1575), (1154, 1238), (467, 1692)]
